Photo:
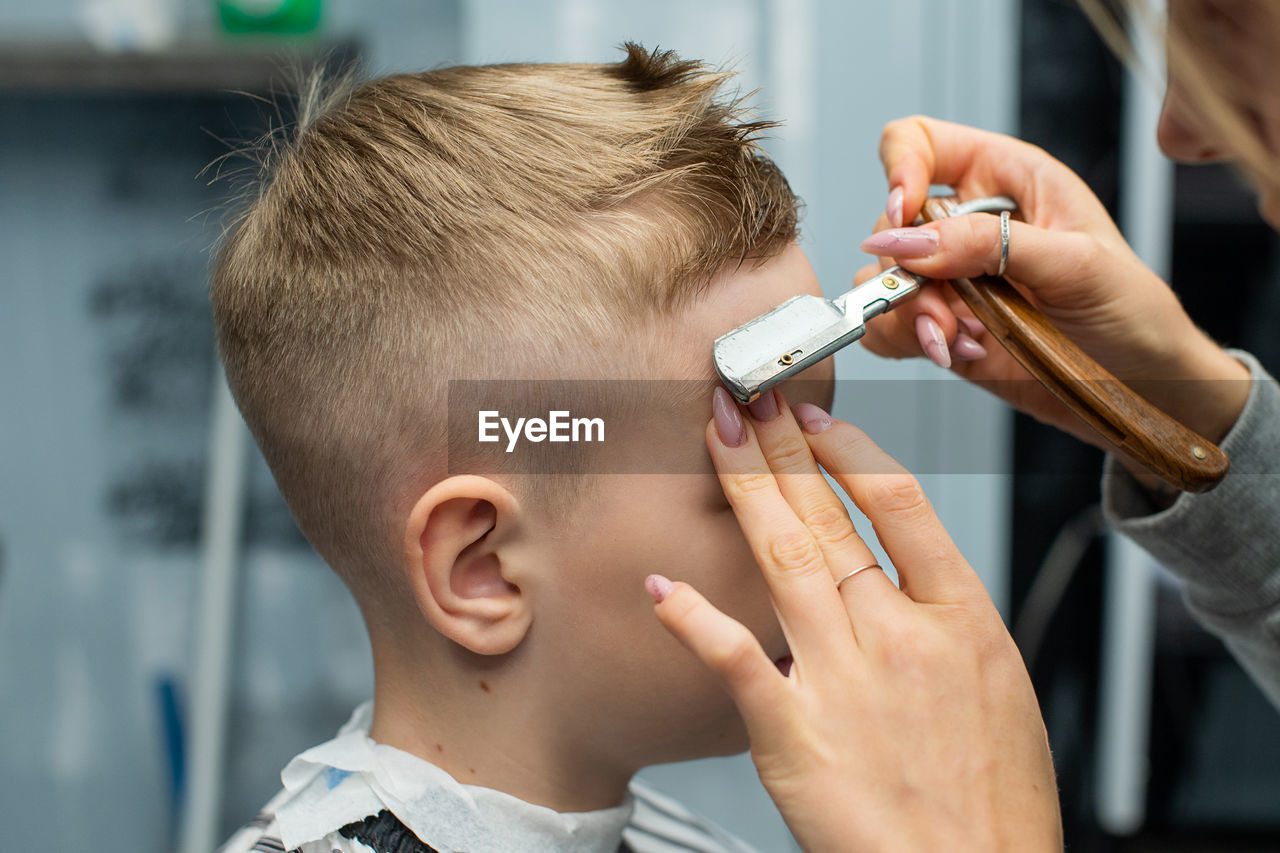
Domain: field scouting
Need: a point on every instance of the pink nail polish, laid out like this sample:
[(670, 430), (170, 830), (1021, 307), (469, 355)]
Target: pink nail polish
[(973, 326), (932, 341), (729, 425), (765, 407), (893, 209), (812, 419), (659, 587), (902, 243), (965, 348)]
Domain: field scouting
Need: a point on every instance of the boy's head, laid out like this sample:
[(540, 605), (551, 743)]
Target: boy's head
[(511, 222)]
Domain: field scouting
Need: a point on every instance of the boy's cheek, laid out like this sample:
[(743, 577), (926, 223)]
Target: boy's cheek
[(724, 570), (679, 526)]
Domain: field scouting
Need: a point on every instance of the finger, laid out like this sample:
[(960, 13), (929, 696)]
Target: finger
[(818, 507), (973, 326), (967, 348), (881, 339), (932, 322), (1063, 267), (882, 224), (866, 272), (919, 151), (811, 615), (723, 644), (907, 153), (897, 333), (930, 568)]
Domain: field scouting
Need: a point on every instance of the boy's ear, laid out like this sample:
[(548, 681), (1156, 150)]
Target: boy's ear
[(454, 554)]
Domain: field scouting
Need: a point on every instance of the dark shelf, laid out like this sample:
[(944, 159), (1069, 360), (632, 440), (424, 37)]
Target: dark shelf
[(251, 65)]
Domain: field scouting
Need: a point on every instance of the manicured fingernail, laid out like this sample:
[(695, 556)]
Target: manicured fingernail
[(812, 419), (932, 341), (973, 327), (659, 587), (729, 425), (894, 208), (765, 407), (902, 243), (965, 348)]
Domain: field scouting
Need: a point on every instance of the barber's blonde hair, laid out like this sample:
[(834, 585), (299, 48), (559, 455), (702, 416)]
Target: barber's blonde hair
[(469, 221), (1207, 74)]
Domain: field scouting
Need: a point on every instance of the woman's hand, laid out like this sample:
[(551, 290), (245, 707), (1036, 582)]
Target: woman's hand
[(1068, 258), (907, 721)]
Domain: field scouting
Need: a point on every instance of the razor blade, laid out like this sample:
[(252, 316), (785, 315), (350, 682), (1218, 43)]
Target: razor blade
[(803, 331), (806, 329)]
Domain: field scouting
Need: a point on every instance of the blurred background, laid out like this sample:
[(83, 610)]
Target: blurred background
[(168, 641)]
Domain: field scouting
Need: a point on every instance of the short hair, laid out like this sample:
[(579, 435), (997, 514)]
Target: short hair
[(456, 223)]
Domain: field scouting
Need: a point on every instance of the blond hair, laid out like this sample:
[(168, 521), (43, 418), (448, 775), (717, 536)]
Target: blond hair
[(468, 222), (1211, 80)]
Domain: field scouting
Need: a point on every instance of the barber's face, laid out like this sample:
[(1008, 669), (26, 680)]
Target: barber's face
[(1236, 43)]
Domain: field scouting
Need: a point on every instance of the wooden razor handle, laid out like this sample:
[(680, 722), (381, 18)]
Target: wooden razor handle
[(1136, 428)]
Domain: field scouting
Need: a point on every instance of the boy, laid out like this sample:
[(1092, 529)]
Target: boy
[(530, 222)]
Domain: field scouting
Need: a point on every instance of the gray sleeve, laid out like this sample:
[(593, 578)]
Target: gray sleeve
[(1224, 545)]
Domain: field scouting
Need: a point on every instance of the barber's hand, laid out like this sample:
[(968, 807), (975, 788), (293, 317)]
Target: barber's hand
[(1068, 258), (908, 720)]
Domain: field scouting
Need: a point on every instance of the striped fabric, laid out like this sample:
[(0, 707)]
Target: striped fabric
[(658, 825), (353, 795)]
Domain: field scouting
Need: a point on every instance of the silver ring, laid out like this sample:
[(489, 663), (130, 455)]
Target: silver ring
[(855, 571), (1004, 242)]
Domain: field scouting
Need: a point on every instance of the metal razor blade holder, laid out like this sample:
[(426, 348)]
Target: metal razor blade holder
[(802, 331), (806, 329)]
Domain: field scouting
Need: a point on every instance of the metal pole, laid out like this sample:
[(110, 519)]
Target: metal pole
[(1129, 626), (220, 551)]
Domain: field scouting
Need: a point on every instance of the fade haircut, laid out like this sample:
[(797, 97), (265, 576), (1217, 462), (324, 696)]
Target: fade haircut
[(467, 222)]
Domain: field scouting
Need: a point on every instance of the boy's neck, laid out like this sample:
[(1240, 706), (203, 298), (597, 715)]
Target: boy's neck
[(488, 740)]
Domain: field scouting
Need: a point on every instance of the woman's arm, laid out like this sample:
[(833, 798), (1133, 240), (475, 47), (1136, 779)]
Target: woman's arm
[(1225, 544)]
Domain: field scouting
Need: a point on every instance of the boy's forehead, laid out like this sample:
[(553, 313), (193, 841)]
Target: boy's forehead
[(736, 297), (731, 300), (749, 291)]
